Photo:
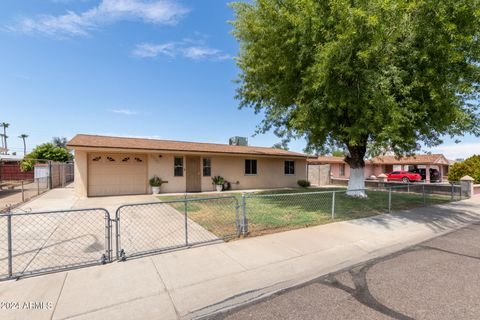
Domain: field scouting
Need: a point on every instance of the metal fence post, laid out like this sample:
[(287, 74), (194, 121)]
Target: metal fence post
[(38, 186), (423, 190), (333, 205), (62, 174), (186, 219), (117, 237), (237, 218), (23, 192), (9, 240), (390, 200), (50, 179), (108, 238), (451, 197), (244, 215)]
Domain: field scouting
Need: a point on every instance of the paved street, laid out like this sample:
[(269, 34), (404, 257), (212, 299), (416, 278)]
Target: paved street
[(438, 279)]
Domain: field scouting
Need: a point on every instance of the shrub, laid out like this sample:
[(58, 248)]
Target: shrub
[(218, 180), (469, 167), (303, 183), (156, 181)]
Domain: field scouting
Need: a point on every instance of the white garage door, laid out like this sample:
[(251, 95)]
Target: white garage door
[(116, 174)]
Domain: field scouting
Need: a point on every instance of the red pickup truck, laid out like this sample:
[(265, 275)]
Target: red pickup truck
[(404, 176)]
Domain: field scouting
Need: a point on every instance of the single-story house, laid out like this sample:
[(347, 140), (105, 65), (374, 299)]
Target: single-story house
[(107, 165), (384, 164)]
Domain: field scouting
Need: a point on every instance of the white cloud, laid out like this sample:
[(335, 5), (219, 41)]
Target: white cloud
[(107, 11), (186, 48), (150, 50), (458, 151), (127, 112)]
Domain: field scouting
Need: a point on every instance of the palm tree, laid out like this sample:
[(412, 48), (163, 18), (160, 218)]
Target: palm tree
[(24, 136), (5, 125), (60, 142)]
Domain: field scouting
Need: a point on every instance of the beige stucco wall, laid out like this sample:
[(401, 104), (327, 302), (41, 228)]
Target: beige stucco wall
[(270, 172), (81, 173), (162, 166)]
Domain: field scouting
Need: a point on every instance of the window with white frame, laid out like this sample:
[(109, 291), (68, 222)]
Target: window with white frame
[(178, 167), (207, 167)]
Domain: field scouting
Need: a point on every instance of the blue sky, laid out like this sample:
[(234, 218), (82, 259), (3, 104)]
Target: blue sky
[(154, 68)]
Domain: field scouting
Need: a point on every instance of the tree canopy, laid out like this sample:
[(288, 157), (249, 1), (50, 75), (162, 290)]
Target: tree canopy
[(46, 151), (358, 73), (469, 167)]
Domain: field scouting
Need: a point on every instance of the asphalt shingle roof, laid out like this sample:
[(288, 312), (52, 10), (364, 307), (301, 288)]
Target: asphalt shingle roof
[(96, 141)]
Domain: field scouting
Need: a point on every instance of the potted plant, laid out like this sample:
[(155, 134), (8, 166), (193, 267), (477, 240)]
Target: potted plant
[(218, 181), (156, 183)]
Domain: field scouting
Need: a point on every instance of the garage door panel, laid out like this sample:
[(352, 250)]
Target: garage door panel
[(116, 174)]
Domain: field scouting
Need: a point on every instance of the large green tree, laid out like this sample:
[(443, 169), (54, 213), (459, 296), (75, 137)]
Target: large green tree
[(469, 167), (43, 152), (358, 73)]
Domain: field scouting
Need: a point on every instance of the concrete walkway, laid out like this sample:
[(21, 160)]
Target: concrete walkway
[(200, 281)]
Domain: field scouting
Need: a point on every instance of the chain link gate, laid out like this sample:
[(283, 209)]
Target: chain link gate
[(148, 228), (43, 242)]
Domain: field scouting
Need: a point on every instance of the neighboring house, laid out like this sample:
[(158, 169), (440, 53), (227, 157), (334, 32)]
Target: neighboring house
[(383, 164), (117, 166), (338, 167)]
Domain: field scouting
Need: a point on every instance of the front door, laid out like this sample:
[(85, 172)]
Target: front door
[(194, 179)]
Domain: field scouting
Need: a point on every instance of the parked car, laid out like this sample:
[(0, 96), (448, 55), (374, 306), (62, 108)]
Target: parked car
[(404, 176), (434, 174)]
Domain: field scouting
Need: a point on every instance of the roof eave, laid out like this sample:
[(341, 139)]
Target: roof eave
[(85, 147)]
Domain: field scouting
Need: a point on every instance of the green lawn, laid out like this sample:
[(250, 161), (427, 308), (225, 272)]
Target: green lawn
[(275, 210)]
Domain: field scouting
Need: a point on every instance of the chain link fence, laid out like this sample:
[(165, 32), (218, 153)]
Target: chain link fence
[(154, 227), (43, 242), (283, 210), (415, 195), (264, 213), (18, 185)]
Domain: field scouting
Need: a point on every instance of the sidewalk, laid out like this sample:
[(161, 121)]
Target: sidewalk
[(200, 281)]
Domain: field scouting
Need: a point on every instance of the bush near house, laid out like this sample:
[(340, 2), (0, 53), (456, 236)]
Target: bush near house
[(469, 167), (303, 183)]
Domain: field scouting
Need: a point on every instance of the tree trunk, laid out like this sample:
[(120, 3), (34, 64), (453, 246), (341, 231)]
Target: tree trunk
[(356, 182)]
